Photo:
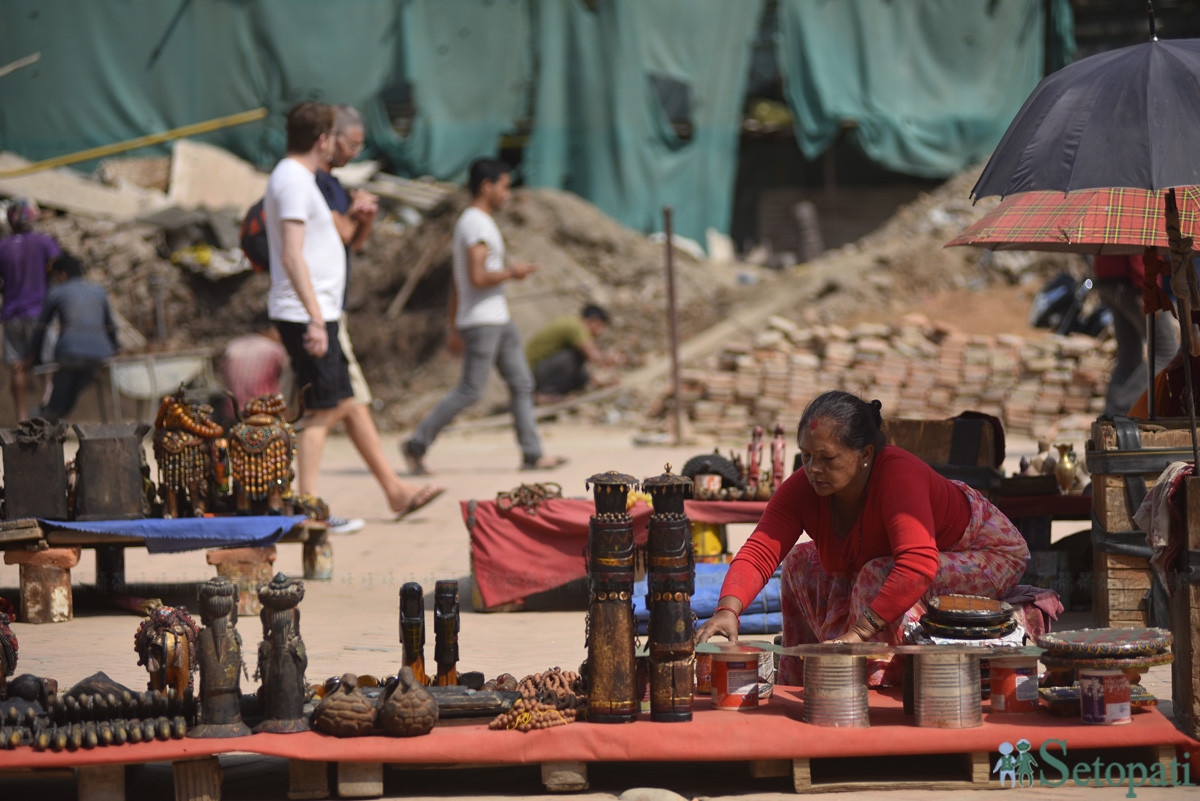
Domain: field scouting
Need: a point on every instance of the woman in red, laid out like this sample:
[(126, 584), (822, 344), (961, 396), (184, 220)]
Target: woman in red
[(887, 532)]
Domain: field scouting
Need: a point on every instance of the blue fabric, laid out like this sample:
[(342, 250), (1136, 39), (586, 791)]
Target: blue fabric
[(191, 533), (764, 615)]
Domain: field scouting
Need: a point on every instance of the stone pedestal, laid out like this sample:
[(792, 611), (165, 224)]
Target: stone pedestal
[(318, 556), (248, 568), (45, 583)]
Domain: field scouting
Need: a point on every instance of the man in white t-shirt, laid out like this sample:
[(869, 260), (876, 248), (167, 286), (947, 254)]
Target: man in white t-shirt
[(308, 277), (481, 328)]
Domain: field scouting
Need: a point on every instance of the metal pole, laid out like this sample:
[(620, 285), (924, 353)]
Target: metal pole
[(141, 141), (673, 330)]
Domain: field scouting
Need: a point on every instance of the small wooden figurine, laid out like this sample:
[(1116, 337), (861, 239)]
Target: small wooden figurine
[(281, 657), (220, 655), (754, 467), (166, 644), (345, 711), (778, 453), (408, 708)]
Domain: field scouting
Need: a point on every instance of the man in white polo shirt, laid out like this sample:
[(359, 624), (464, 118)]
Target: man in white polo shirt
[(308, 279)]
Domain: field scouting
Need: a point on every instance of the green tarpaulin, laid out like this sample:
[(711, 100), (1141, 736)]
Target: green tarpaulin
[(634, 105), (924, 87)]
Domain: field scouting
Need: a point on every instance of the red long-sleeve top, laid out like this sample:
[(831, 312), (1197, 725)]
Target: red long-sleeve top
[(910, 513)]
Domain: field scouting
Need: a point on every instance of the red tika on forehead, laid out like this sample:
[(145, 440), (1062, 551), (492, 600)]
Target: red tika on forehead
[(812, 426)]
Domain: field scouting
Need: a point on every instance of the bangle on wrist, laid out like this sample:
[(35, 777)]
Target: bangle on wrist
[(736, 616), (874, 620)]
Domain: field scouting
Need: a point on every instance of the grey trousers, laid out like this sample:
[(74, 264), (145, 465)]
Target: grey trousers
[(1128, 380), (485, 346)]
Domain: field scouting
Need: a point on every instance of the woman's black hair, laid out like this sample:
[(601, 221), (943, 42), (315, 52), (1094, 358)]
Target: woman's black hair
[(856, 422)]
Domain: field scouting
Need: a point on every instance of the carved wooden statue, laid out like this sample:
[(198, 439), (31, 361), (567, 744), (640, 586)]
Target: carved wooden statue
[(754, 468), (445, 630), (670, 581), (183, 443), (778, 455), (412, 629), (166, 644), (281, 657), (261, 445), (220, 656), (8, 651), (612, 672)]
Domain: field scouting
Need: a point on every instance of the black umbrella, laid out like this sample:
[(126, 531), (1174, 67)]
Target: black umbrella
[(1125, 118), (1128, 117)]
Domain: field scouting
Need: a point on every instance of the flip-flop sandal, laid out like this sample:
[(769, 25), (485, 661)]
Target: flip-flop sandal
[(553, 462), (424, 497)]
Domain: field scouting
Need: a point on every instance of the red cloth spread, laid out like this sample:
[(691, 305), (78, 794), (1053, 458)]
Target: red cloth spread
[(910, 513), (515, 554)]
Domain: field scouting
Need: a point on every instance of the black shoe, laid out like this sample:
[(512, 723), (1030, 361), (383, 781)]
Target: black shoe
[(413, 458)]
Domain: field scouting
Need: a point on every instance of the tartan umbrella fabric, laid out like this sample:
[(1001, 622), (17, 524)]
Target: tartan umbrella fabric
[(1127, 117), (1118, 221)]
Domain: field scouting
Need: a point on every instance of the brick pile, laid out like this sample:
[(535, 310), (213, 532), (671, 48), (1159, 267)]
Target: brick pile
[(1037, 386)]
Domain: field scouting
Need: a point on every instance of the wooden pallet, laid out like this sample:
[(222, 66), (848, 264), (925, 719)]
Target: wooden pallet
[(953, 771)]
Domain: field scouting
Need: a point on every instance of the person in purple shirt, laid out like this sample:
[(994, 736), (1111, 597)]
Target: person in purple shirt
[(23, 259)]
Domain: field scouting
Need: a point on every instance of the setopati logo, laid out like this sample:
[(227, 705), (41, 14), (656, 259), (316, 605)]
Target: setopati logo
[(1018, 767)]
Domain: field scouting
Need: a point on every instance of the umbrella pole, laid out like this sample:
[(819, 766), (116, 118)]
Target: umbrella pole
[(1179, 261)]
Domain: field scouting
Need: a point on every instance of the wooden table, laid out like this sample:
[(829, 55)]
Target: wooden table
[(30, 534)]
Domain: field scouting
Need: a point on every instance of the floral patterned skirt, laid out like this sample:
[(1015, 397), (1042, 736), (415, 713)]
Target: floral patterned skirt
[(987, 560)]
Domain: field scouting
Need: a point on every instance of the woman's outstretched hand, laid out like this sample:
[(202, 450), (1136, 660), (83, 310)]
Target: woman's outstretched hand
[(723, 622)]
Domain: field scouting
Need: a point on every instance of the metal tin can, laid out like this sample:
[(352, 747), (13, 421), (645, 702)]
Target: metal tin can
[(1014, 681), (735, 679), (1104, 696)]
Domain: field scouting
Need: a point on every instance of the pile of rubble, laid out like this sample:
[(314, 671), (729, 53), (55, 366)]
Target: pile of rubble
[(163, 239), (917, 369)]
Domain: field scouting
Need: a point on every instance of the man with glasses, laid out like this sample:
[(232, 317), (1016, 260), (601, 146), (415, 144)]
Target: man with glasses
[(354, 215), (308, 279)]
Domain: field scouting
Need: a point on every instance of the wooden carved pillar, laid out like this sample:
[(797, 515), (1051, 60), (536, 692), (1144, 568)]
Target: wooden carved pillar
[(612, 667)]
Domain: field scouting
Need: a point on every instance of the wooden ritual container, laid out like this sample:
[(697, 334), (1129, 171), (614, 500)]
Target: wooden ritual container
[(1124, 464), (35, 473), (961, 448), (108, 469)]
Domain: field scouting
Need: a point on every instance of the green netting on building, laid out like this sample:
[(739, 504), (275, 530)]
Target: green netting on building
[(634, 104)]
